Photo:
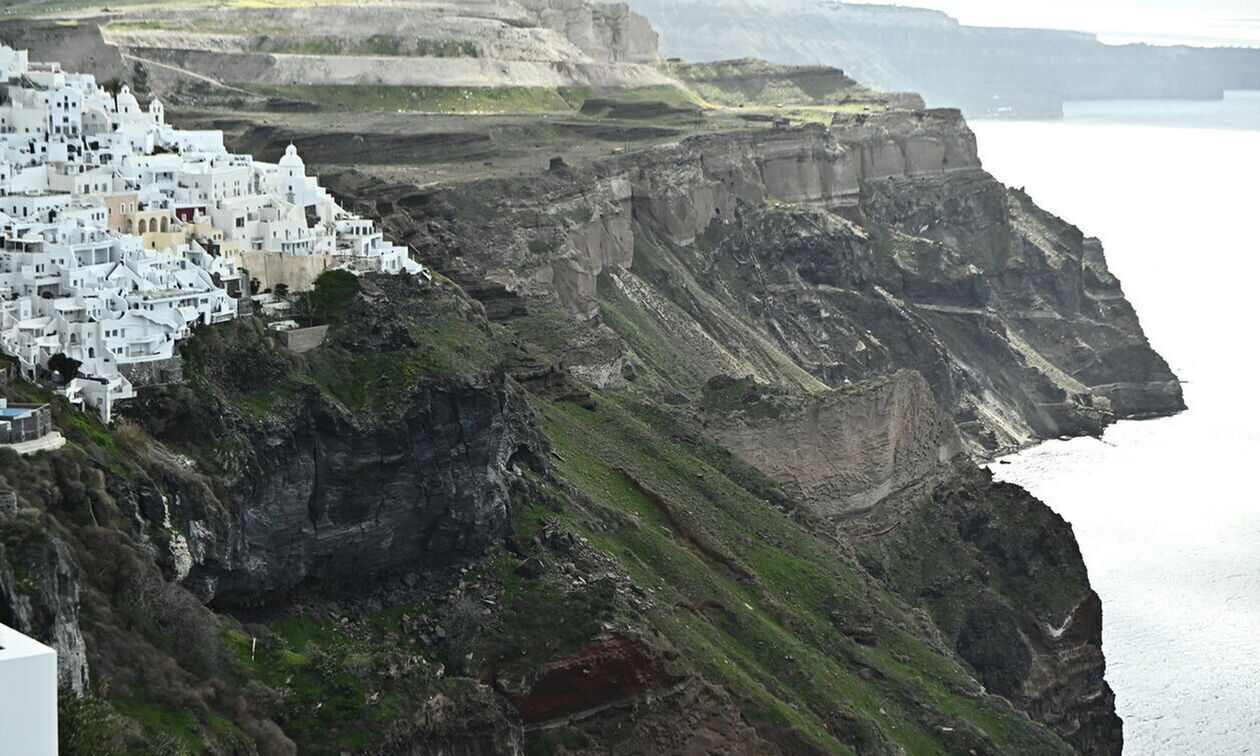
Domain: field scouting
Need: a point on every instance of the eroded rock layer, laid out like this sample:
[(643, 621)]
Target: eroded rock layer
[(808, 257)]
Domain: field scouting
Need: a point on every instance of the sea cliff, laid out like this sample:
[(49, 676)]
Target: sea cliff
[(676, 453)]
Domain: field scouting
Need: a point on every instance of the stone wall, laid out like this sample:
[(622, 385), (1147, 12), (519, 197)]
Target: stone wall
[(304, 339), (155, 373), (298, 272)]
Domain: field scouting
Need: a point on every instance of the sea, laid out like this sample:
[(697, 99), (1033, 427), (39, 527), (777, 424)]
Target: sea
[(1167, 511)]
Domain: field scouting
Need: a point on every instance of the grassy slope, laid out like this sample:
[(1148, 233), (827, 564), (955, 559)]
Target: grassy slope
[(765, 603), (438, 99), (419, 98), (752, 82)]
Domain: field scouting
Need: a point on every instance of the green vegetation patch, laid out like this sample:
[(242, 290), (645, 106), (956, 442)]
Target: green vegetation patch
[(750, 82), (671, 95), (755, 601), (377, 44), (383, 345), (726, 395), (628, 102), (341, 681), (329, 299), (424, 99)]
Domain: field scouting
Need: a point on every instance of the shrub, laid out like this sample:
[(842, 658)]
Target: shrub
[(328, 301), (67, 367)]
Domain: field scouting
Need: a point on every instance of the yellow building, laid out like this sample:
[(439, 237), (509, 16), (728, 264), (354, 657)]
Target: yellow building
[(157, 229)]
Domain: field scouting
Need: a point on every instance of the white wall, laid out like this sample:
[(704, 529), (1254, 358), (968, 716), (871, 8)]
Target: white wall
[(28, 695)]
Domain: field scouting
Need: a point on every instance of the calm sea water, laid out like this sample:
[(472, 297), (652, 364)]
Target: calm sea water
[(1166, 511)]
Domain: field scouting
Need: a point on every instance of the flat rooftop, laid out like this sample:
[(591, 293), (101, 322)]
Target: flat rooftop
[(14, 645)]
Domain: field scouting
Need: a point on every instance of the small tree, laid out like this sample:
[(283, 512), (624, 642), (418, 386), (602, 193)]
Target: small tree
[(329, 299), (140, 78), (66, 367)]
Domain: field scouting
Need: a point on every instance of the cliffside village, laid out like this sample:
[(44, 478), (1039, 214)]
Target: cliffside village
[(118, 233)]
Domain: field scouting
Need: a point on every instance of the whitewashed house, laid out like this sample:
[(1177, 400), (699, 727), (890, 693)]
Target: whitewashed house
[(119, 234)]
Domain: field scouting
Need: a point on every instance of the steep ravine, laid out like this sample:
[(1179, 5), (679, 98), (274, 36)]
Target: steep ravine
[(675, 460)]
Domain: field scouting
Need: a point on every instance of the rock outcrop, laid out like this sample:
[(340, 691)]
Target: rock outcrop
[(1003, 578), (77, 47), (844, 452), (39, 595), (322, 494), (325, 500), (611, 669)]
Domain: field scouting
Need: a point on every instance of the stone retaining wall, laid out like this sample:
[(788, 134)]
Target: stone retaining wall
[(304, 339), (156, 373)]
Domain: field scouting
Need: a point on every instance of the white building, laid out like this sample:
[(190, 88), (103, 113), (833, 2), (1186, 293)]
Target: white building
[(119, 234), (28, 695)]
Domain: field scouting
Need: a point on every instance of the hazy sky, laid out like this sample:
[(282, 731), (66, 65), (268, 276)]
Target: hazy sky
[(1155, 21)]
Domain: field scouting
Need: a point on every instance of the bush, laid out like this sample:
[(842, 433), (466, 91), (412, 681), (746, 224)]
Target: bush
[(88, 726), (68, 367), (328, 301)]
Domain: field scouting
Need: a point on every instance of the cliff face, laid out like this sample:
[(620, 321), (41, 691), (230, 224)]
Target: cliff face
[(331, 501), (607, 32), (539, 43), (807, 257), (842, 454), (985, 71), (39, 594), (332, 489), (673, 461), (1001, 575)]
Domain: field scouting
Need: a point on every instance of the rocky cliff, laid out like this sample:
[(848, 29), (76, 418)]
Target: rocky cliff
[(340, 486), (414, 540), (540, 43), (672, 456), (986, 71), (39, 593), (1022, 624), (839, 453), (808, 257)]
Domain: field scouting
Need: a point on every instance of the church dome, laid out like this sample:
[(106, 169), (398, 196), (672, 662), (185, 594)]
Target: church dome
[(291, 158), (127, 102)]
